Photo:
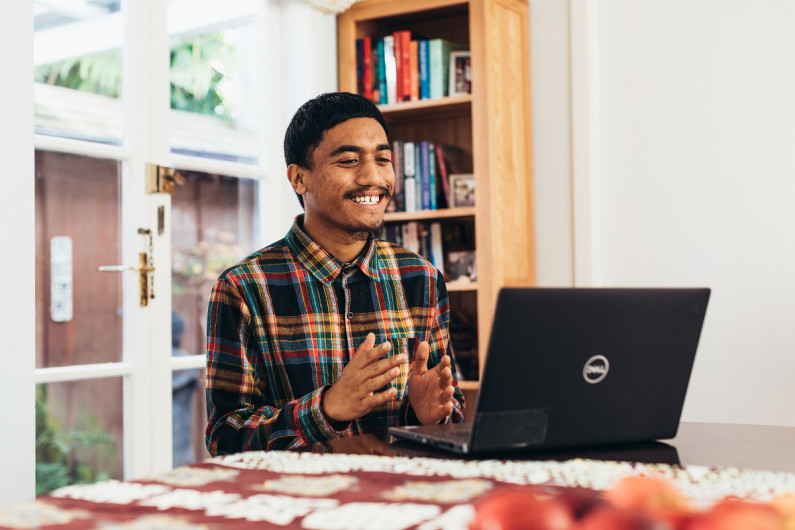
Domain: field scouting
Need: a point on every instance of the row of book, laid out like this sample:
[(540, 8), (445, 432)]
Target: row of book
[(425, 178), (441, 249), (399, 68)]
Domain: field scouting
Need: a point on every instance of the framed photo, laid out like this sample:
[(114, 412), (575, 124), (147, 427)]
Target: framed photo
[(462, 190), (461, 266), (460, 73)]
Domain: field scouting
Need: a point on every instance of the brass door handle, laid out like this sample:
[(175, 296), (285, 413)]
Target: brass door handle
[(144, 269)]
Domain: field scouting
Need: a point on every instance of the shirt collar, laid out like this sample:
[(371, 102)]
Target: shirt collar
[(322, 265)]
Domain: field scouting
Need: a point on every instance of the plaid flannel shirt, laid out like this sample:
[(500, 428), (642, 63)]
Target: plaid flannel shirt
[(284, 322)]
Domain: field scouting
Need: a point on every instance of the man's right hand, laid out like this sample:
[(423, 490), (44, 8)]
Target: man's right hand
[(354, 394)]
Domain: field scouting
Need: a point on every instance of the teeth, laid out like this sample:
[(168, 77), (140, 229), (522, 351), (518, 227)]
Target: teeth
[(367, 199)]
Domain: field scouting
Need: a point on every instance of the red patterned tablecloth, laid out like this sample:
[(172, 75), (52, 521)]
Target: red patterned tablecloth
[(337, 491)]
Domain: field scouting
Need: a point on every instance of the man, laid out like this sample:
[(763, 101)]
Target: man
[(329, 332)]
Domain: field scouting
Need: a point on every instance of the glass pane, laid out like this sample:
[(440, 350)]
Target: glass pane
[(214, 225), (214, 66), (189, 411), (78, 228), (78, 433), (77, 69)]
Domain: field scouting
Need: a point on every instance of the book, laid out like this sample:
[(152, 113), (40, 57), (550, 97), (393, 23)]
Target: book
[(367, 74), (397, 204), (405, 50), (397, 48), (439, 64), (390, 69), (414, 72), (417, 176), (437, 254), (425, 177), (409, 182), (442, 175), (380, 75), (432, 204), (360, 66), (422, 60)]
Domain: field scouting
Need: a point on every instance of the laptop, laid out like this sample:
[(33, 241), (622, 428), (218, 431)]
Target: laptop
[(574, 367)]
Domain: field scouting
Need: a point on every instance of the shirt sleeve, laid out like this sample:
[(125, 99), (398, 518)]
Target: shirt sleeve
[(239, 415), (439, 342)]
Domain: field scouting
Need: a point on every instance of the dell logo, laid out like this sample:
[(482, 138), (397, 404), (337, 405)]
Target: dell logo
[(595, 369)]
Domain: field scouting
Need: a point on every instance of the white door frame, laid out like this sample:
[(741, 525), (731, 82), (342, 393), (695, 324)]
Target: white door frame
[(17, 232)]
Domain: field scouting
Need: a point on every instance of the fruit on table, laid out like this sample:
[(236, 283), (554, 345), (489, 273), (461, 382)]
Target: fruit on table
[(521, 509)]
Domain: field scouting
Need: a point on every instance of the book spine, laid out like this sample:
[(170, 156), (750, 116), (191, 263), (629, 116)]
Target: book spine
[(380, 69), (437, 254), (409, 182), (405, 51), (414, 71), (442, 174), (425, 176), (417, 177), (422, 52), (397, 47), (397, 202), (435, 68), (432, 176), (360, 66), (367, 67), (390, 69)]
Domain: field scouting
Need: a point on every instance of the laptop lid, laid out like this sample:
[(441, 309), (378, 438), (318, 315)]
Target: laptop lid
[(587, 366)]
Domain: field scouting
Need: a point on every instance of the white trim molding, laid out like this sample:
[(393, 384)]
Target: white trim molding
[(585, 142)]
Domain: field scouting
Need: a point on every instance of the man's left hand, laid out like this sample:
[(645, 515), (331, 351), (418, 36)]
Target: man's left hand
[(430, 391)]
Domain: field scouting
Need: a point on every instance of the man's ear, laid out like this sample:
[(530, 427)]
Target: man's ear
[(296, 174)]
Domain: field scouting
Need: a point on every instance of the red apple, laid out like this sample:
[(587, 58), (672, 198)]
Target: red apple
[(610, 518), (645, 493), (520, 509), (736, 514), (785, 505)]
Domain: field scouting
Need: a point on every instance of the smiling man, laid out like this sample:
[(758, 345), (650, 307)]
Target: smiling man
[(329, 332)]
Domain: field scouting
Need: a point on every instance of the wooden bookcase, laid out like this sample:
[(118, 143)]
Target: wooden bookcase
[(493, 125)]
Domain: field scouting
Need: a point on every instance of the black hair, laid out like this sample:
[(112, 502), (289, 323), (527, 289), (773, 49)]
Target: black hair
[(317, 116)]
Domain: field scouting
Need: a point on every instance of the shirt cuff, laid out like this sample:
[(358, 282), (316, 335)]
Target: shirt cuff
[(330, 429)]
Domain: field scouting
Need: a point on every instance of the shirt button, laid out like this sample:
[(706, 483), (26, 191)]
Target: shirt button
[(350, 315)]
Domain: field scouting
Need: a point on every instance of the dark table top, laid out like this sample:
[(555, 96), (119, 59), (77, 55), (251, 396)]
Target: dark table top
[(759, 447)]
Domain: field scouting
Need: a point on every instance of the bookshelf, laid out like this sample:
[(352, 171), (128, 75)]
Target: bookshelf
[(492, 125)]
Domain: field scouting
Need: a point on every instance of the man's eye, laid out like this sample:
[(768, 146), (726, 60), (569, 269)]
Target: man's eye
[(348, 161)]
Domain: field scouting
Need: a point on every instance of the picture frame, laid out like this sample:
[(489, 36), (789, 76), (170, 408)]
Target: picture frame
[(461, 266), (460, 78), (462, 190)]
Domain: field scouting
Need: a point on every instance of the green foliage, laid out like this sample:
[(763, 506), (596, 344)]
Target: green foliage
[(57, 464), (197, 74), (99, 73)]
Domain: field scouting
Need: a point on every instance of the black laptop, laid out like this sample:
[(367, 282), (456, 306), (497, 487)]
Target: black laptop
[(573, 367)]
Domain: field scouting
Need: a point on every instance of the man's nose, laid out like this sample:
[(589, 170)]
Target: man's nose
[(369, 173)]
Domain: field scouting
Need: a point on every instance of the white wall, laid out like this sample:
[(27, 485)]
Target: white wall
[(305, 41), (693, 181), (17, 258)]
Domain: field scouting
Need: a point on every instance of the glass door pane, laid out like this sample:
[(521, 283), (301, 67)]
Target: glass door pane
[(214, 68), (78, 69), (78, 229), (78, 432), (214, 225)]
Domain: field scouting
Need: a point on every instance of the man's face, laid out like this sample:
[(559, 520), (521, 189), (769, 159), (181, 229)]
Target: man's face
[(351, 180)]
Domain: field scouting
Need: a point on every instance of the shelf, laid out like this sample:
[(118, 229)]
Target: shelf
[(427, 109), (461, 287), (430, 215)]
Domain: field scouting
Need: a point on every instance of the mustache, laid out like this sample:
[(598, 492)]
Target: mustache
[(382, 190)]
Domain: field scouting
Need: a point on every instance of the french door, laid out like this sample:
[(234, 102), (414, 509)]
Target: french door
[(151, 171)]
